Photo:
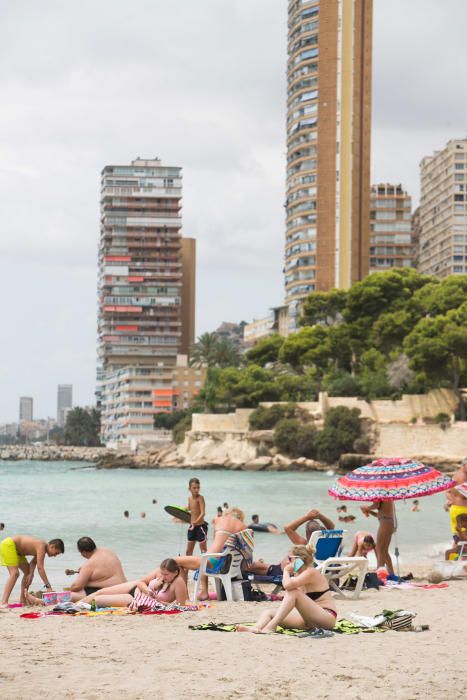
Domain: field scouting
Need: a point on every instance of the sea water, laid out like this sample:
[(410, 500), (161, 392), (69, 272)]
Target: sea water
[(67, 500)]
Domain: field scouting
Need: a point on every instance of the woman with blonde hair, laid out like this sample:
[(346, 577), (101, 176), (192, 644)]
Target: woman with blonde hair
[(225, 527), (307, 601)]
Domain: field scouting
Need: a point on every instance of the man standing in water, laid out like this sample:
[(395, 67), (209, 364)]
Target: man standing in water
[(102, 569), (13, 553)]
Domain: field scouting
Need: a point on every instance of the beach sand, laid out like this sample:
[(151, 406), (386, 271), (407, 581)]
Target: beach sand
[(135, 657)]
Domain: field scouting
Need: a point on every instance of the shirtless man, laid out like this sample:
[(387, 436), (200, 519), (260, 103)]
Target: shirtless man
[(13, 553), (102, 569), (314, 521)]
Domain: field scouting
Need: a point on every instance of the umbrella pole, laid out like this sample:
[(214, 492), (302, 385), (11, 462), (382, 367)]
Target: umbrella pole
[(396, 545)]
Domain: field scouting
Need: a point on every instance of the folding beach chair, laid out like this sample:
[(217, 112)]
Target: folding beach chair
[(225, 567), (328, 545)]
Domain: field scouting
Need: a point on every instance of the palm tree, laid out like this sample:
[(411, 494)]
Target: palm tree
[(210, 350)]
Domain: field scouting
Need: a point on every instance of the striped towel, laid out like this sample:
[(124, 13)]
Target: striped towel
[(142, 602), (243, 542)]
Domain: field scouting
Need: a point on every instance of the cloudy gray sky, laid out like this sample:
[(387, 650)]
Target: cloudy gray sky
[(201, 84)]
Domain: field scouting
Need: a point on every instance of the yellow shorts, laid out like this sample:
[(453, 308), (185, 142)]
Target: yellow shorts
[(454, 511), (8, 554)]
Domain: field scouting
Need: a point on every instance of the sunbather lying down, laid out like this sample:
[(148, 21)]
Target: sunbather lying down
[(225, 526), (307, 601), (164, 584)]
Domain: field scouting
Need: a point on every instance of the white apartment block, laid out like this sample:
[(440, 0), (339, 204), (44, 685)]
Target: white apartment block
[(443, 211)]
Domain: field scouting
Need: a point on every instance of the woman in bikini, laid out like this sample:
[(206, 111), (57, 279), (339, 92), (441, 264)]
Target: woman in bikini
[(384, 511), (164, 584), (224, 527), (307, 601)]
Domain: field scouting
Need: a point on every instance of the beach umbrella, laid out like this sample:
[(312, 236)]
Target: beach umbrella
[(391, 479)]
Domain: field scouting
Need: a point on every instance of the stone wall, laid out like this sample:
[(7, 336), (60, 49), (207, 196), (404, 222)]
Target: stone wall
[(407, 440)]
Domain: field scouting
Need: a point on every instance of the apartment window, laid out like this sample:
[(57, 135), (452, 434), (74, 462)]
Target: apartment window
[(311, 53), (458, 177), (459, 166)]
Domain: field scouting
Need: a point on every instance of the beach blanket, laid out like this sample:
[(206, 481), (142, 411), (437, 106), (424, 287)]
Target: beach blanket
[(223, 627), (142, 602)]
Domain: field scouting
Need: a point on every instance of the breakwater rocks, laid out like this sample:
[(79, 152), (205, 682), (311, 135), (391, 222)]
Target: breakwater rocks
[(54, 453)]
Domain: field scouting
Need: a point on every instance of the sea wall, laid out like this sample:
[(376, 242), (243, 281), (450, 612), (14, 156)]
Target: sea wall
[(409, 408), (430, 440), (54, 453)]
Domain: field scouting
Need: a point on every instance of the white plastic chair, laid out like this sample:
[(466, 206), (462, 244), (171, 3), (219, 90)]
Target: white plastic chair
[(454, 569), (335, 567), (225, 579)]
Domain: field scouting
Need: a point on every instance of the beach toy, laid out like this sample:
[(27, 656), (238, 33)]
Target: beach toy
[(179, 513), (212, 596), (64, 597), (49, 598)]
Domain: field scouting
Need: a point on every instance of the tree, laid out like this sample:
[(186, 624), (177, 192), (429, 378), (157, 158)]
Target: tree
[(437, 298), (437, 347), (83, 427), (167, 421), (210, 350), (309, 347), (265, 351), (323, 307)]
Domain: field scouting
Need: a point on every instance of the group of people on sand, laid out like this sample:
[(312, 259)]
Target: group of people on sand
[(307, 600)]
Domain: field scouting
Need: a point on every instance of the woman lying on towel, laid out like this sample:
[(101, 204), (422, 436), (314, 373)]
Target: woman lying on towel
[(307, 601), (225, 527), (164, 585)]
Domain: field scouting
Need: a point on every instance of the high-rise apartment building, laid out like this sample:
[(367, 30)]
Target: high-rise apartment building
[(391, 243), (443, 211), (142, 302), (26, 409), (64, 402), (328, 146)]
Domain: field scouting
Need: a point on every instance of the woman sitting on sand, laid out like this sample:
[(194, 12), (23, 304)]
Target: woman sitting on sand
[(307, 601), (224, 527)]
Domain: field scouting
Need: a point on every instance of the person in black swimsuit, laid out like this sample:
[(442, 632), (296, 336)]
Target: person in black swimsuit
[(307, 602)]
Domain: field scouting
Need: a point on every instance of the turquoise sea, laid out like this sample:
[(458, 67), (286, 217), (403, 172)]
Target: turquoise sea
[(67, 500)]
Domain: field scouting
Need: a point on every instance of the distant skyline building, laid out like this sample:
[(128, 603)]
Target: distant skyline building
[(328, 147), (146, 293), (26, 412), (443, 211), (64, 402), (391, 241)]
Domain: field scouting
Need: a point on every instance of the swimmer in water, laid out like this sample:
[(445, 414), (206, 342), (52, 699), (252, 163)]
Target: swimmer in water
[(263, 527), (126, 514)]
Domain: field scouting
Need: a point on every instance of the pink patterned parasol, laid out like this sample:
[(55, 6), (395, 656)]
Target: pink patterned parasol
[(391, 479)]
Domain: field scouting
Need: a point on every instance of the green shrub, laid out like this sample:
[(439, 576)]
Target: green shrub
[(264, 418), (341, 430), (181, 428), (306, 442), (441, 418), (361, 445), (342, 384), (286, 435), (168, 421)]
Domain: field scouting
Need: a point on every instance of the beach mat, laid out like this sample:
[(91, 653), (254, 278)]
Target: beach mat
[(223, 627)]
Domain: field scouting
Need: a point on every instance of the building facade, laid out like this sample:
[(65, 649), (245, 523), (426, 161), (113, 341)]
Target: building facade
[(328, 147), (391, 239), (26, 412), (64, 402), (443, 211), (142, 304)]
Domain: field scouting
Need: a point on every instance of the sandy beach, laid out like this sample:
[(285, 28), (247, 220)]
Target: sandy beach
[(138, 657)]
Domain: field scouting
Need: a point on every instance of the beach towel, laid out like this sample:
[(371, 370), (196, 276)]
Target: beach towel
[(244, 543), (142, 602), (223, 627)]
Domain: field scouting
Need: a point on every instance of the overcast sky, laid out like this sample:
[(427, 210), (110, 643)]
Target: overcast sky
[(200, 84)]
